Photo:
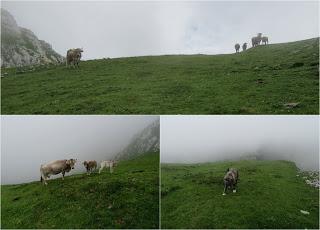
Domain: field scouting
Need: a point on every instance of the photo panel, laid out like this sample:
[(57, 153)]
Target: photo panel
[(82, 172), (239, 172)]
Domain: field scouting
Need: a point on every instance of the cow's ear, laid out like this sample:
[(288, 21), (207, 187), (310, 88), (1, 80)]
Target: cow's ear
[(227, 170)]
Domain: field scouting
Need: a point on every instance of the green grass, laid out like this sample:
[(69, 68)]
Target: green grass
[(128, 198), (174, 84), (269, 195)]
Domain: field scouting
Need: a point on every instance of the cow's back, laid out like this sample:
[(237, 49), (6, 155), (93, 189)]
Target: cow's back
[(54, 167)]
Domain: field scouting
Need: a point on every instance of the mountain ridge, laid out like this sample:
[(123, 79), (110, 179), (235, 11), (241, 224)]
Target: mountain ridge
[(146, 141), (21, 47)]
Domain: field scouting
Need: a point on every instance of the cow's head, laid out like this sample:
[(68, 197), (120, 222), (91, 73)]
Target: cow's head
[(85, 163), (71, 163)]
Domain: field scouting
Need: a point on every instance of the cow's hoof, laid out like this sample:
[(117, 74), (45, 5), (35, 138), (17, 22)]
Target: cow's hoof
[(234, 191), (223, 194)]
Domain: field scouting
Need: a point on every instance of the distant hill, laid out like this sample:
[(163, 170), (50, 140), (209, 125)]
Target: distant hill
[(270, 195), (146, 141), (268, 79), (21, 47), (127, 198)]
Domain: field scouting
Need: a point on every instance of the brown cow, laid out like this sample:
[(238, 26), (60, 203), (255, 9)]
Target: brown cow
[(90, 166), (73, 57), (56, 167)]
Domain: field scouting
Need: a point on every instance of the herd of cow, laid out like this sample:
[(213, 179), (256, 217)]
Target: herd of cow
[(63, 166), (255, 41), (74, 55)]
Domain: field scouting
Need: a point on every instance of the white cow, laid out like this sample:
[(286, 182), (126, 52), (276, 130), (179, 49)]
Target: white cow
[(56, 167), (107, 164)]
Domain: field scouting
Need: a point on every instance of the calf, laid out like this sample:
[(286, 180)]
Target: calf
[(90, 166), (56, 167), (107, 164), (230, 180)]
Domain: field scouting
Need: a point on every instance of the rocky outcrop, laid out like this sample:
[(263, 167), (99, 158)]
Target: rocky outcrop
[(21, 47), (147, 141)]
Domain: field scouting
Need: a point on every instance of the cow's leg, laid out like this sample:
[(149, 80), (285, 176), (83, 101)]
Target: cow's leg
[(101, 167), (233, 188), (44, 179), (225, 189), (63, 175)]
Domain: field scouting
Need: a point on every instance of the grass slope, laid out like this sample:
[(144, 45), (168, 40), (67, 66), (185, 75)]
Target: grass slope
[(257, 81), (269, 195), (128, 198)]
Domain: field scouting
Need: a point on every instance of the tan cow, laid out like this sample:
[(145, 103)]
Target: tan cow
[(108, 164), (56, 167), (90, 166), (73, 57)]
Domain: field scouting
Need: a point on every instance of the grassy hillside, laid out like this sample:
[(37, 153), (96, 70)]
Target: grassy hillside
[(269, 195), (258, 81), (128, 198)]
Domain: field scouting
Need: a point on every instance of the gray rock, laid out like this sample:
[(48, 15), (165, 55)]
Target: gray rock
[(147, 141), (21, 47)]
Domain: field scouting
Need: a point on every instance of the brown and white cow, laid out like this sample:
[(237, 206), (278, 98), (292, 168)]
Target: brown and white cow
[(108, 164), (90, 166), (73, 57), (230, 180), (56, 167)]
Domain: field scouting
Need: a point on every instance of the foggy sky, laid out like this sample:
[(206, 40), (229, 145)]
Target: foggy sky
[(29, 141), (121, 29), (194, 139)]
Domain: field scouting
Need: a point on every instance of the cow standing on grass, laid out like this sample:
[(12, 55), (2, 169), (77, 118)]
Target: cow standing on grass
[(244, 46), (237, 47), (256, 40), (56, 167), (90, 166), (108, 164), (73, 57), (230, 180), (265, 40)]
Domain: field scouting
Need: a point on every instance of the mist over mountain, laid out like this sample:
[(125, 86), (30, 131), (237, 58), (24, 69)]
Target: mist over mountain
[(146, 141), (198, 139), (21, 47)]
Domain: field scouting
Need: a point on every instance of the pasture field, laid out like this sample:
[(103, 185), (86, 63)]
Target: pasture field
[(261, 80), (128, 198), (269, 195)]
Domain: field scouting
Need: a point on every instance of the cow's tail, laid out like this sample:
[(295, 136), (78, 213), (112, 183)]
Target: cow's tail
[(41, 179)]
